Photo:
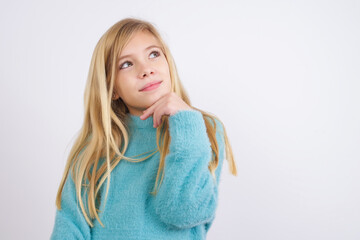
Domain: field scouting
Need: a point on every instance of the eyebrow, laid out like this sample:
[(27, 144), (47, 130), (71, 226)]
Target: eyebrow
[(129, 55)]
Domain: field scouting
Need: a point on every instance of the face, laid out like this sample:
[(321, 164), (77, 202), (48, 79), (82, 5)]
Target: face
[(142, 63)]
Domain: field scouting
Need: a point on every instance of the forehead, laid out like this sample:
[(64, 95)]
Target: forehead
[(139, 41)]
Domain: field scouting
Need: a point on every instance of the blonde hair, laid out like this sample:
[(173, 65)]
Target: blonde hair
[(104, 129)]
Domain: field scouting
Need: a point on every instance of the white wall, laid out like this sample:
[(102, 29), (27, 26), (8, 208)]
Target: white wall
[(282, 75)]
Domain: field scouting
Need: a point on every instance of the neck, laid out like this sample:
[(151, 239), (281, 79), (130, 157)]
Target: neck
[(134, 121)]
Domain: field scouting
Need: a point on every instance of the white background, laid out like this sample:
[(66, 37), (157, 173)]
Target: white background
[(283, 76)]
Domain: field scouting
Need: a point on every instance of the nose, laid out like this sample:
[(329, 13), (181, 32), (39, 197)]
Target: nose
[(145, 71)]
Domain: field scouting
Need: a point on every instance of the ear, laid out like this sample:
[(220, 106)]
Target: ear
[(115, 96)]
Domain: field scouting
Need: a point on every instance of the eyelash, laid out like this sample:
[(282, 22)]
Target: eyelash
[(157, 52)]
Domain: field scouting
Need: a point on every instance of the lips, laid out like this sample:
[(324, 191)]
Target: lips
[(150, 84)]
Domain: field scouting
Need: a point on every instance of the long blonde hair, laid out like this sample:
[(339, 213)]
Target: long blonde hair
[(104, 131)]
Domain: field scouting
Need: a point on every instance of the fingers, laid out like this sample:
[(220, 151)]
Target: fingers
[(155, 116), (159, 111), (169, 104), (144, 116), (150, 110), (147, 113)]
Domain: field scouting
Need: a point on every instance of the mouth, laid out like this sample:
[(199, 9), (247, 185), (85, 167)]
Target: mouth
[(151, 86)]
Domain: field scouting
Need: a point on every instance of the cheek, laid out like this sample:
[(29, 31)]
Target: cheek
[(127, 76), (167, 78), (123, 84), (165, 69)]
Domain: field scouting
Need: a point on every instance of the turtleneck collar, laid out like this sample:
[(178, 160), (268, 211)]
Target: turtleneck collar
[(134, 121)]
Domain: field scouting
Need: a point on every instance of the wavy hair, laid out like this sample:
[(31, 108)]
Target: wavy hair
[(104, 134)]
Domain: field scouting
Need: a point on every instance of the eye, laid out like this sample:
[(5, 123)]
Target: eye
[(156, 53), (124, 65)]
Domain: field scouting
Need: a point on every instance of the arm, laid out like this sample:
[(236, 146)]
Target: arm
[(69, 221), (188, 194)]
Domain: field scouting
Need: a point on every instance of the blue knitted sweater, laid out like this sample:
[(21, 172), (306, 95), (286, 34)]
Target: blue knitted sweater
[(185, 205)]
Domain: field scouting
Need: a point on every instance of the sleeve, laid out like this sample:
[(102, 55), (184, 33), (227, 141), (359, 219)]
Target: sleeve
[(69, 221), (188, 195)]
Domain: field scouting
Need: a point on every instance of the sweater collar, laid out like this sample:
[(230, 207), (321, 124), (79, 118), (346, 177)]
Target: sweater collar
[(134, 121)]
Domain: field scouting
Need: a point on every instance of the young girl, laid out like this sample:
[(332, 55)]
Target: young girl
[(135, 105)]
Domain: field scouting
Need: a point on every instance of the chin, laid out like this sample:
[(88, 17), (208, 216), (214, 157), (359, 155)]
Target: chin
[(150, 99)]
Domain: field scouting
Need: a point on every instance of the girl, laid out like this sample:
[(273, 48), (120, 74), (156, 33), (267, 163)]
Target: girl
[(135, 105)]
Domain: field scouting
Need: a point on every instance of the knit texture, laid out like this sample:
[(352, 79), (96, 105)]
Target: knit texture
[(185, 205)]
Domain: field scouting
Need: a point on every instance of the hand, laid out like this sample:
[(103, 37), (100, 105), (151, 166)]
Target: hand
[(168, 104)]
